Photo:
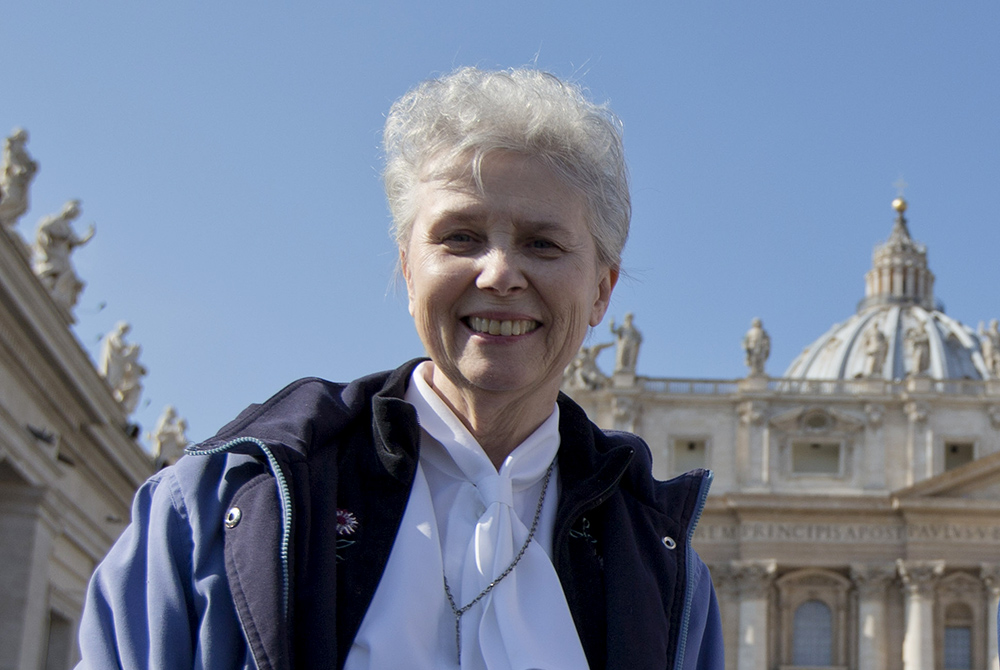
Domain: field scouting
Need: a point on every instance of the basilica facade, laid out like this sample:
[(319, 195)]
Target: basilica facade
[(854, 520)]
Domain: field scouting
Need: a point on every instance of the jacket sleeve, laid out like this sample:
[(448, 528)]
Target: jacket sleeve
[(705, 648), (137, 610), (162, 587)]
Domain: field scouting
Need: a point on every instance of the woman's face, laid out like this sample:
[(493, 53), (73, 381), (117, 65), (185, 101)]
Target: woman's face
[(503, 282)]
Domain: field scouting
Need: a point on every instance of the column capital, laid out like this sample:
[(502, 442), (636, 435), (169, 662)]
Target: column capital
[(724, 580), (871, 579), (626, 409), (919, 577), (874, 413), (917, 411), (753, 578), (990, 574), (751, 412)]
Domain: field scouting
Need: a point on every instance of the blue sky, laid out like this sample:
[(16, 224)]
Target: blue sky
[(228, 154)]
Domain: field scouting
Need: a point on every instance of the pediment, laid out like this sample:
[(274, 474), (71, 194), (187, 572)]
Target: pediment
[(978, 480), (817, 420)]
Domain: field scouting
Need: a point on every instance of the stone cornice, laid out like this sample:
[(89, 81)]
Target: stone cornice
[(46, 355)]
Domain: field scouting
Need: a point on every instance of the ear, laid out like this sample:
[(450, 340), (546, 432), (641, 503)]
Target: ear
[(405, 269), (608, 278)]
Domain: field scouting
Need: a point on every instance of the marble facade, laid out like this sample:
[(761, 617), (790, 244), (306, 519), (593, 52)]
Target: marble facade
[(854, 519)]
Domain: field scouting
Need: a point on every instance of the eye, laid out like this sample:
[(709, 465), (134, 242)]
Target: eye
[(545, 247), (459, 241)]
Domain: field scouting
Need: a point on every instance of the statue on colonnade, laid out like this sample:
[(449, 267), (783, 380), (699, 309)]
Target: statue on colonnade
[(17, 169), (120, 367), (168, 438), (54, 242)]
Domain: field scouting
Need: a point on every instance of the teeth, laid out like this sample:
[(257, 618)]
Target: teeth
[(503, 328)]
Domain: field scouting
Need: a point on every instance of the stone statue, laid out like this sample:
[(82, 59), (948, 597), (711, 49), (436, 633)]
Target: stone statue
[(17, 169), (628, 339), (918, 344), (120, 366), (989, 341), (757, 345), (54, 242), (876, 349), (582, 372), (168, 438)]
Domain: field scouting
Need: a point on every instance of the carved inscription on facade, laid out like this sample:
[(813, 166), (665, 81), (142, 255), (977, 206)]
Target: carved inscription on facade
[(863, 533)]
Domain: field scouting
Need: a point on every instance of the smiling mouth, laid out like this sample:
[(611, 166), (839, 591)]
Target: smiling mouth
[(505, 328)]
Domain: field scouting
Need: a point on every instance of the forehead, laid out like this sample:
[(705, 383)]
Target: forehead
[(507, 183)]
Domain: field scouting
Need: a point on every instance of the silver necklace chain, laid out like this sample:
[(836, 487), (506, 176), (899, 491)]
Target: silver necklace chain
[(459, 611)]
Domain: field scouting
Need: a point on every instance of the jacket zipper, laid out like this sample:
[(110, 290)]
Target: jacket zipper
[(284, 496), (706, 484)]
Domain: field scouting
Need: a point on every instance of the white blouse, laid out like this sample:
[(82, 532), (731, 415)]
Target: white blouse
[(466, 521)]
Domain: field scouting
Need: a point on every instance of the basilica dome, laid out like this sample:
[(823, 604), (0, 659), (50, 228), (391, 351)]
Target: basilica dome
[(899, 330)]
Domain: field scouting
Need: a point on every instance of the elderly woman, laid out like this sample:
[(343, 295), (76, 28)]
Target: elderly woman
[(457, 511)]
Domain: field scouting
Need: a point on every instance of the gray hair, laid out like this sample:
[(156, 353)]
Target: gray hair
[(472, 112)]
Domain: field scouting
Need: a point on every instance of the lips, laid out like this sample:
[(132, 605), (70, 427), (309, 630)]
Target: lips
[(504, 328)]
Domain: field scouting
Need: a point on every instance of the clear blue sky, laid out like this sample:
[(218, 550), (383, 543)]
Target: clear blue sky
[(228, 154)]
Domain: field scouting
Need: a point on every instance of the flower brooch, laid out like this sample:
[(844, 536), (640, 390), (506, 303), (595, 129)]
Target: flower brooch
[(347, 523)]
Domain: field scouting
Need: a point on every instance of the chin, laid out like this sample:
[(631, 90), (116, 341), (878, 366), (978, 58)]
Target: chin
[(506, 379)]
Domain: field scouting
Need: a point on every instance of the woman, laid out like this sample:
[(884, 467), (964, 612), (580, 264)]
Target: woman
[(455, 512)]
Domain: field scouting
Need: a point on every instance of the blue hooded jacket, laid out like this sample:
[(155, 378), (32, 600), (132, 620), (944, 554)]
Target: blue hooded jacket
[(232, 559)]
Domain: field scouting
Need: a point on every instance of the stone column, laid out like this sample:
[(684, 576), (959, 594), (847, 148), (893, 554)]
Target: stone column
[(754, 582), (918, 444), (26, 536), (727, 591), (871, 581), (990, 574), (751, 445), (918, 585), (874, 454)]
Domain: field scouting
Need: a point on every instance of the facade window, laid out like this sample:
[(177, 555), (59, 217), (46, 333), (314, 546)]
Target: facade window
[(957, 454), (816, 458), (689, 454), (812, 635), (958, 637), (958, 648)]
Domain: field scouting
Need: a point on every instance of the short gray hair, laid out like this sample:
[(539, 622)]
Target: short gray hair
[(472, 112)]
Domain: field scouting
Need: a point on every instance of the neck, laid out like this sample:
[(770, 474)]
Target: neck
[(498, 421)]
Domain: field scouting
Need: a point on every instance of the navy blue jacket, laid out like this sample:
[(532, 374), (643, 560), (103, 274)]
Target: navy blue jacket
[(295, 592)]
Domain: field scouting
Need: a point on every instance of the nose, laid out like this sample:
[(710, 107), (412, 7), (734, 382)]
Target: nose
[(500, 272)]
